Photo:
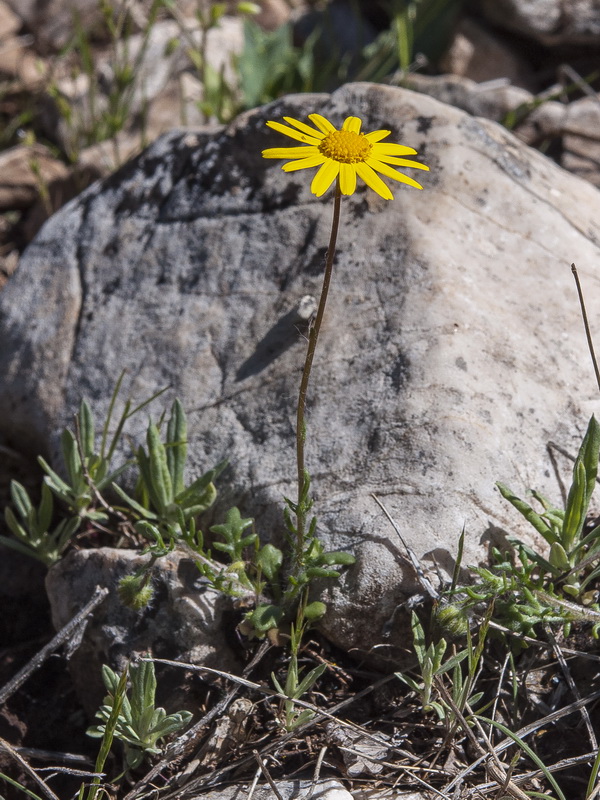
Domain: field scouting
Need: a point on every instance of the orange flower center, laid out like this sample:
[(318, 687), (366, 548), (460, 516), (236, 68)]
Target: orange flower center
[(345, 146)]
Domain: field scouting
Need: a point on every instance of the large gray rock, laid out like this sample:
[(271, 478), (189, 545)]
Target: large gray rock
[(452, 349)]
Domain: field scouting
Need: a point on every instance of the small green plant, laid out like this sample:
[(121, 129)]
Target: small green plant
[(87, 472), (528, 588), (294, 687), (140, 725), (570, 550), (162, 495), (432, 667), (108, 105), (33, 534)]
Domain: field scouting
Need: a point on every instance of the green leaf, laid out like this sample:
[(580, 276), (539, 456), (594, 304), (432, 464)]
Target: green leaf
[(133, 503), (315, 610), (338, 557), (269, 560), (265, 617), (190, 495), (321, 572), (309, 681), (71, 458), (584, 479), (558, 558), (160, 479), (177, 447), (86, 429), (528, 512), (46, 508), (452, 662), (20, 498), (231, 531)]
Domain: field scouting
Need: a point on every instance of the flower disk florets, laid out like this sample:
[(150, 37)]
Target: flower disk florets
[(346, 147)]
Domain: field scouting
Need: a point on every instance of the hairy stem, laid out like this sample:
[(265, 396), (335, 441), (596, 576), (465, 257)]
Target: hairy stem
[(313, 338)]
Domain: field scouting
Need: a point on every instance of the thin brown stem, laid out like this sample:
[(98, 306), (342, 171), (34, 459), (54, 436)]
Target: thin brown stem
[(313, 337), (586, 324)]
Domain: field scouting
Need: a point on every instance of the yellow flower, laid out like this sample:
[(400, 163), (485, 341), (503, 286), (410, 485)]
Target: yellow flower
[(343, 154)]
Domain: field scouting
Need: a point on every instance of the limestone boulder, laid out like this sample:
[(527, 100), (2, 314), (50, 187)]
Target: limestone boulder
[(451, 354)]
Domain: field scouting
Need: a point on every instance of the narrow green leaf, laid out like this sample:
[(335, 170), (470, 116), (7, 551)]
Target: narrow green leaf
[(133, 503), (531, 753), (418, 638), (15, 526), (576, 509), (54, 481), (528, 512), (309, 681), (20, 498), (71, 457), (159, 470), (200, 484), (582, 487), (46, 508), (339, 557), (177, 447), (86, 429)]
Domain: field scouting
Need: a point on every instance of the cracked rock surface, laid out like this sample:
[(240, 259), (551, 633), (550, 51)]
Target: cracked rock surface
[(451, 354)]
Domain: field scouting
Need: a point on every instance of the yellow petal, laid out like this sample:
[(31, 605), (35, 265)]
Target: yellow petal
[(352, 124), (373, 181), (392, 150), (400, 162), (390, 172), (376, 136), (347, 178), (290, 152), (293, 134), (304, 128), (325, 177), (322, 123), (304, 163)]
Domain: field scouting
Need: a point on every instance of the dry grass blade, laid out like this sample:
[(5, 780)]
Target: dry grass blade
[(29, 770), (495, 768), (569, 679), (267, 775), (522, 733)]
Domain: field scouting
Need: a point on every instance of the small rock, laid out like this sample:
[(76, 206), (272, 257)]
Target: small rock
[(10, 23), (477, 54), (581, 156), (19, 63), (186, 620), (107, 156), (25, 172), (51, 21), (492, 100), (583, 118), (273, 14), (581, 142), (289, 790), (547, 121)]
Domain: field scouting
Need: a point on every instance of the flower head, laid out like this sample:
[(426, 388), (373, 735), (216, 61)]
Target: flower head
[(343, 154)]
